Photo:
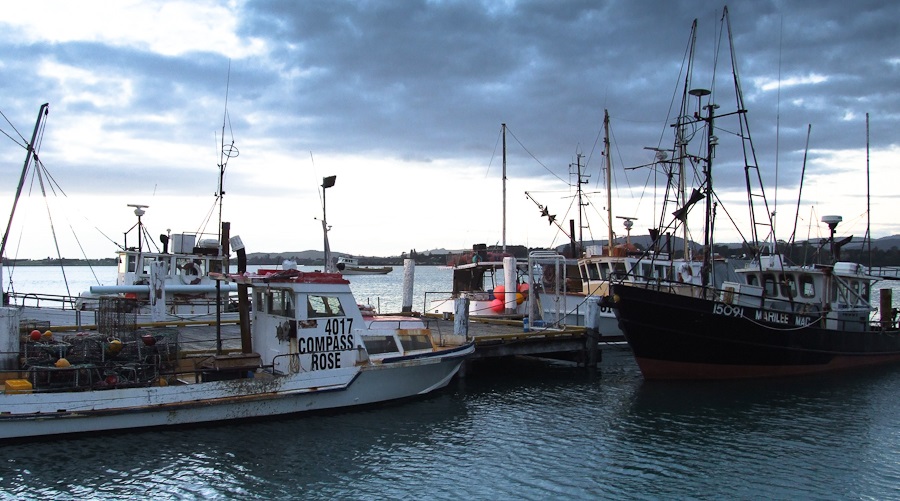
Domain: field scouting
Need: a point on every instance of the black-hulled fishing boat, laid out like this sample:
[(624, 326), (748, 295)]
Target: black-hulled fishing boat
[(777, 318)]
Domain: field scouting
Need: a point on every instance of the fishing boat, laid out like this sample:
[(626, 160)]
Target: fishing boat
[(307, 347), (777, 318), (491, 281), (482, 278), (347, 265), (164, 281), (569, 285)]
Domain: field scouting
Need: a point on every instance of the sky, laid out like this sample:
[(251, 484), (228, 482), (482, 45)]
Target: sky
[(403, 101)]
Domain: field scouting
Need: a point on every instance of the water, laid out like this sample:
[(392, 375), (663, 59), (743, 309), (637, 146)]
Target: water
[(517, 430)]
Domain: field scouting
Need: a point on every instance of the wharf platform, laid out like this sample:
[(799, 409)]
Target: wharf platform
[(496, 338)]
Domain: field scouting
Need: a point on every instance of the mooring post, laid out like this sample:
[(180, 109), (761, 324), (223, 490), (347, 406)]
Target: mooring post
[(509, 285), (592, 332), (409, 273), (887, 312), (461, 317)]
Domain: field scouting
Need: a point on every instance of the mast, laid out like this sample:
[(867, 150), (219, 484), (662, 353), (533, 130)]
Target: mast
[(579, 194), (868, 197), (45, 109), (503, 126), (609, 213)]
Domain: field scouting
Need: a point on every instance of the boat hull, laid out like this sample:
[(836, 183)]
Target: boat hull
[(39, 415), (681, 337), (366, 270)]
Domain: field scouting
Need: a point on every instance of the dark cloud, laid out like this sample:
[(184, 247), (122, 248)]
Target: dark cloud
[(425, 81)]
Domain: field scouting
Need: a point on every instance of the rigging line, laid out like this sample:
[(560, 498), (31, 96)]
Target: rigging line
[(25, 141), (734, 224), (494, 153), (53, 230), (83, 253), (534, 157), (778, 118)]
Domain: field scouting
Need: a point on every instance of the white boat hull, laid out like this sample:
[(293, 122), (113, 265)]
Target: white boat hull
[(47, 414)]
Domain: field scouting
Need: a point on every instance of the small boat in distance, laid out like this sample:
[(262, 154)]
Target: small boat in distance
[(776, 318), (347, 265), (309, 348)]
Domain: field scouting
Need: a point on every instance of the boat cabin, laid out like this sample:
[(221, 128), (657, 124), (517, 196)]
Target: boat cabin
[(841, 291), (187, 264), (310, 321)]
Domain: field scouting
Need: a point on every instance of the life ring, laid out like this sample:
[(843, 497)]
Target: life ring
[(188, 271)]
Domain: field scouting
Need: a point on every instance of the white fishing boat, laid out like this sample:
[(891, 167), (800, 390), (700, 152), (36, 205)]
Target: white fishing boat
[(169, 281), (483, 278), (347, 265), (308, 348), (567, 286)]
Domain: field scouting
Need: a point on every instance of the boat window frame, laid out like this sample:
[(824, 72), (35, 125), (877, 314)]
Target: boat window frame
[(804, 280), (324, 306), (380, 344), (770, 285), (592, 270), (280, 302), (787, 285), (415, 341)]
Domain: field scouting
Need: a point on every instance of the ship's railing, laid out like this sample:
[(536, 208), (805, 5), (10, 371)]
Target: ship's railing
[(43, 300)]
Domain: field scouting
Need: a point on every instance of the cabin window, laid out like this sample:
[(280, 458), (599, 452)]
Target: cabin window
[(788, 286), (619, 271), (415, 341), (769, 285), (604, 271), (324, 306), (380, 344), (280, 302), (147, 263), (132, 263), (807, 286), (752, 280), (645, 271), (592, 271), (659, 272)]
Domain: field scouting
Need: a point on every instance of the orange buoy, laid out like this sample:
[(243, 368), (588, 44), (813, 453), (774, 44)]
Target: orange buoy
[(497, 305), (35, 335), (115, 346), (62, 363)]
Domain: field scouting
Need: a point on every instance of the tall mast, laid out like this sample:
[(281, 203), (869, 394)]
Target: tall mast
[(28, 156), (609, 213), (504, 187), (868, 196)]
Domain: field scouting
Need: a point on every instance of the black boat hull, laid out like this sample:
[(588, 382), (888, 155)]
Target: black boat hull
[(681, 337)]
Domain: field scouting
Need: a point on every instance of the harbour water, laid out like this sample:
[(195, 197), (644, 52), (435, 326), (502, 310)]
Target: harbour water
[(517, 430)]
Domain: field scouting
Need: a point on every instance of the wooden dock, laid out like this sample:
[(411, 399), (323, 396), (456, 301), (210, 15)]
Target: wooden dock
[(496, 338)]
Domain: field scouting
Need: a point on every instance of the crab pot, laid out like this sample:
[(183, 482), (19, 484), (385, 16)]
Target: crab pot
[(117, 316)]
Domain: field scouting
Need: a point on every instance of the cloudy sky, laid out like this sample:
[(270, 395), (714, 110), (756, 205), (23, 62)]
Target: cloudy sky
[(403, 101)]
